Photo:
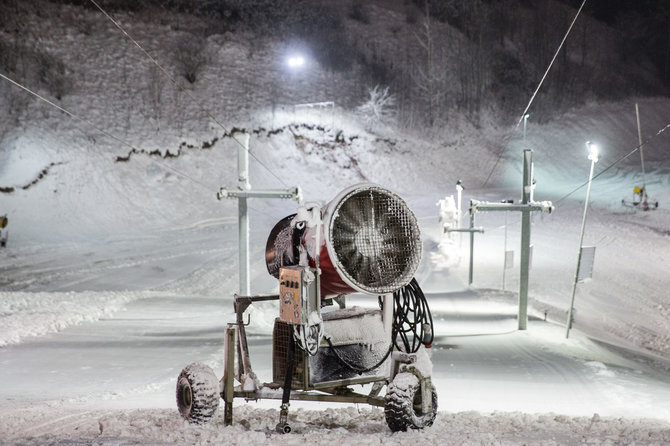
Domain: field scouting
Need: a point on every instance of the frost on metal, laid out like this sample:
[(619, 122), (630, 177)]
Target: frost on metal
[(281, 253), (355, 344), (375, 238), (197, 393), (354, 325)]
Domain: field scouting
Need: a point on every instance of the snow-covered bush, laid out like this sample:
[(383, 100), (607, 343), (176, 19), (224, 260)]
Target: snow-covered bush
[(379, 108)]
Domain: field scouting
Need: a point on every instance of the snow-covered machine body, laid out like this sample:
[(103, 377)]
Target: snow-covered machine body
[(366, 240)]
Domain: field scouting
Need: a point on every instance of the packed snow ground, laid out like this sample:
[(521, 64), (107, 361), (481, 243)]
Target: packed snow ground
[(118, 274), (108, 377)]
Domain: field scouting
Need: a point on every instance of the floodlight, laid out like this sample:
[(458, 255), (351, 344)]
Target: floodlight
[(296, 61), (593, 151)]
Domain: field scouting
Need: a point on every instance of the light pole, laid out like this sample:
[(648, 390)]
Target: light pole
[(593, 156)]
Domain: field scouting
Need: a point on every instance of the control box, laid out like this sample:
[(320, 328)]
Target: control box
[(298, 295)]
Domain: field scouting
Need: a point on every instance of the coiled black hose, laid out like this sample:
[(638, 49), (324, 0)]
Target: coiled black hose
[(412, 320)]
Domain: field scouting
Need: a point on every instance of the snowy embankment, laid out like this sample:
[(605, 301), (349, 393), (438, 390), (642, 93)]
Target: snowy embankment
[(24, 315)]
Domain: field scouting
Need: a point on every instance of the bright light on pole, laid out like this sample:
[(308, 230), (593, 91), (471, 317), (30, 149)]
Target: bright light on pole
[(593, 153), (593, 156), (295, 61)]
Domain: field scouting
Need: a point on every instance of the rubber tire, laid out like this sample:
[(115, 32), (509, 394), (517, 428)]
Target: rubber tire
[(403, 404), (197, 393)]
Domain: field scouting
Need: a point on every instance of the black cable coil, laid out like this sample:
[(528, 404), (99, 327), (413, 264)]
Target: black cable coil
[(412, 320), (412, 324)]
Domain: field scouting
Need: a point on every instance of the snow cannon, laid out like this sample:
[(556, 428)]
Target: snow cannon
[(366, 240)]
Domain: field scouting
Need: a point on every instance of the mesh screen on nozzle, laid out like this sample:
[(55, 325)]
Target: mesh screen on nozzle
[(370, 243), (373, 239)]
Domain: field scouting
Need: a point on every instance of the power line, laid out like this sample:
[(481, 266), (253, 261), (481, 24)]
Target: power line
[(623, 158), (188, 93), (550, 64), (539, 85), (67, 112)]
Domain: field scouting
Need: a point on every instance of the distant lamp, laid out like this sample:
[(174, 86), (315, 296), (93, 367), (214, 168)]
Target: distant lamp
[(295, 61)]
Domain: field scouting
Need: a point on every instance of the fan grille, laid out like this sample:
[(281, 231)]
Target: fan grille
[(376, 239)]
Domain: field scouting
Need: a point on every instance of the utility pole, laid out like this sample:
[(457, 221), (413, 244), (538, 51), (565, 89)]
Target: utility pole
[(526, 206), (459, 200), (640, 145), (242, 193), (472, 230)]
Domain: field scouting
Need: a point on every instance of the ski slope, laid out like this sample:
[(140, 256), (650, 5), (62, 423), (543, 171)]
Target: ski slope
[(108, 377), (119, 273)]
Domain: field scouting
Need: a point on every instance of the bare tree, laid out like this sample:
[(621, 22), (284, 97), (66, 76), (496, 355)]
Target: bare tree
[(379, 108), (474, 57), (429, 75)]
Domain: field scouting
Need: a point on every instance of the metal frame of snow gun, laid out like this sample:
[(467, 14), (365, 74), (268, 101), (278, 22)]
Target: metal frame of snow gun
[(332, 391), (354, 347), (338, 391), (366, 240)]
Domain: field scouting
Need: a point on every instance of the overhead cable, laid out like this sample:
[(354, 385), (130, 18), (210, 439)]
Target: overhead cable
[(539, 85), (104, 132)]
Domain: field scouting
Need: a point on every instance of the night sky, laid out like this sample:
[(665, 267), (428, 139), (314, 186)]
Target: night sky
[(608, 10)]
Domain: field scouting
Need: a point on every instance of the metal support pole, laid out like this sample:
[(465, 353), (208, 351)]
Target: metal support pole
[(472, 231), (524, 267), (472, 244), (229, 371), (243, 215), (524, 260), (594, 159), (504, 254), (643, 197), (243, 193), (459, 199)]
